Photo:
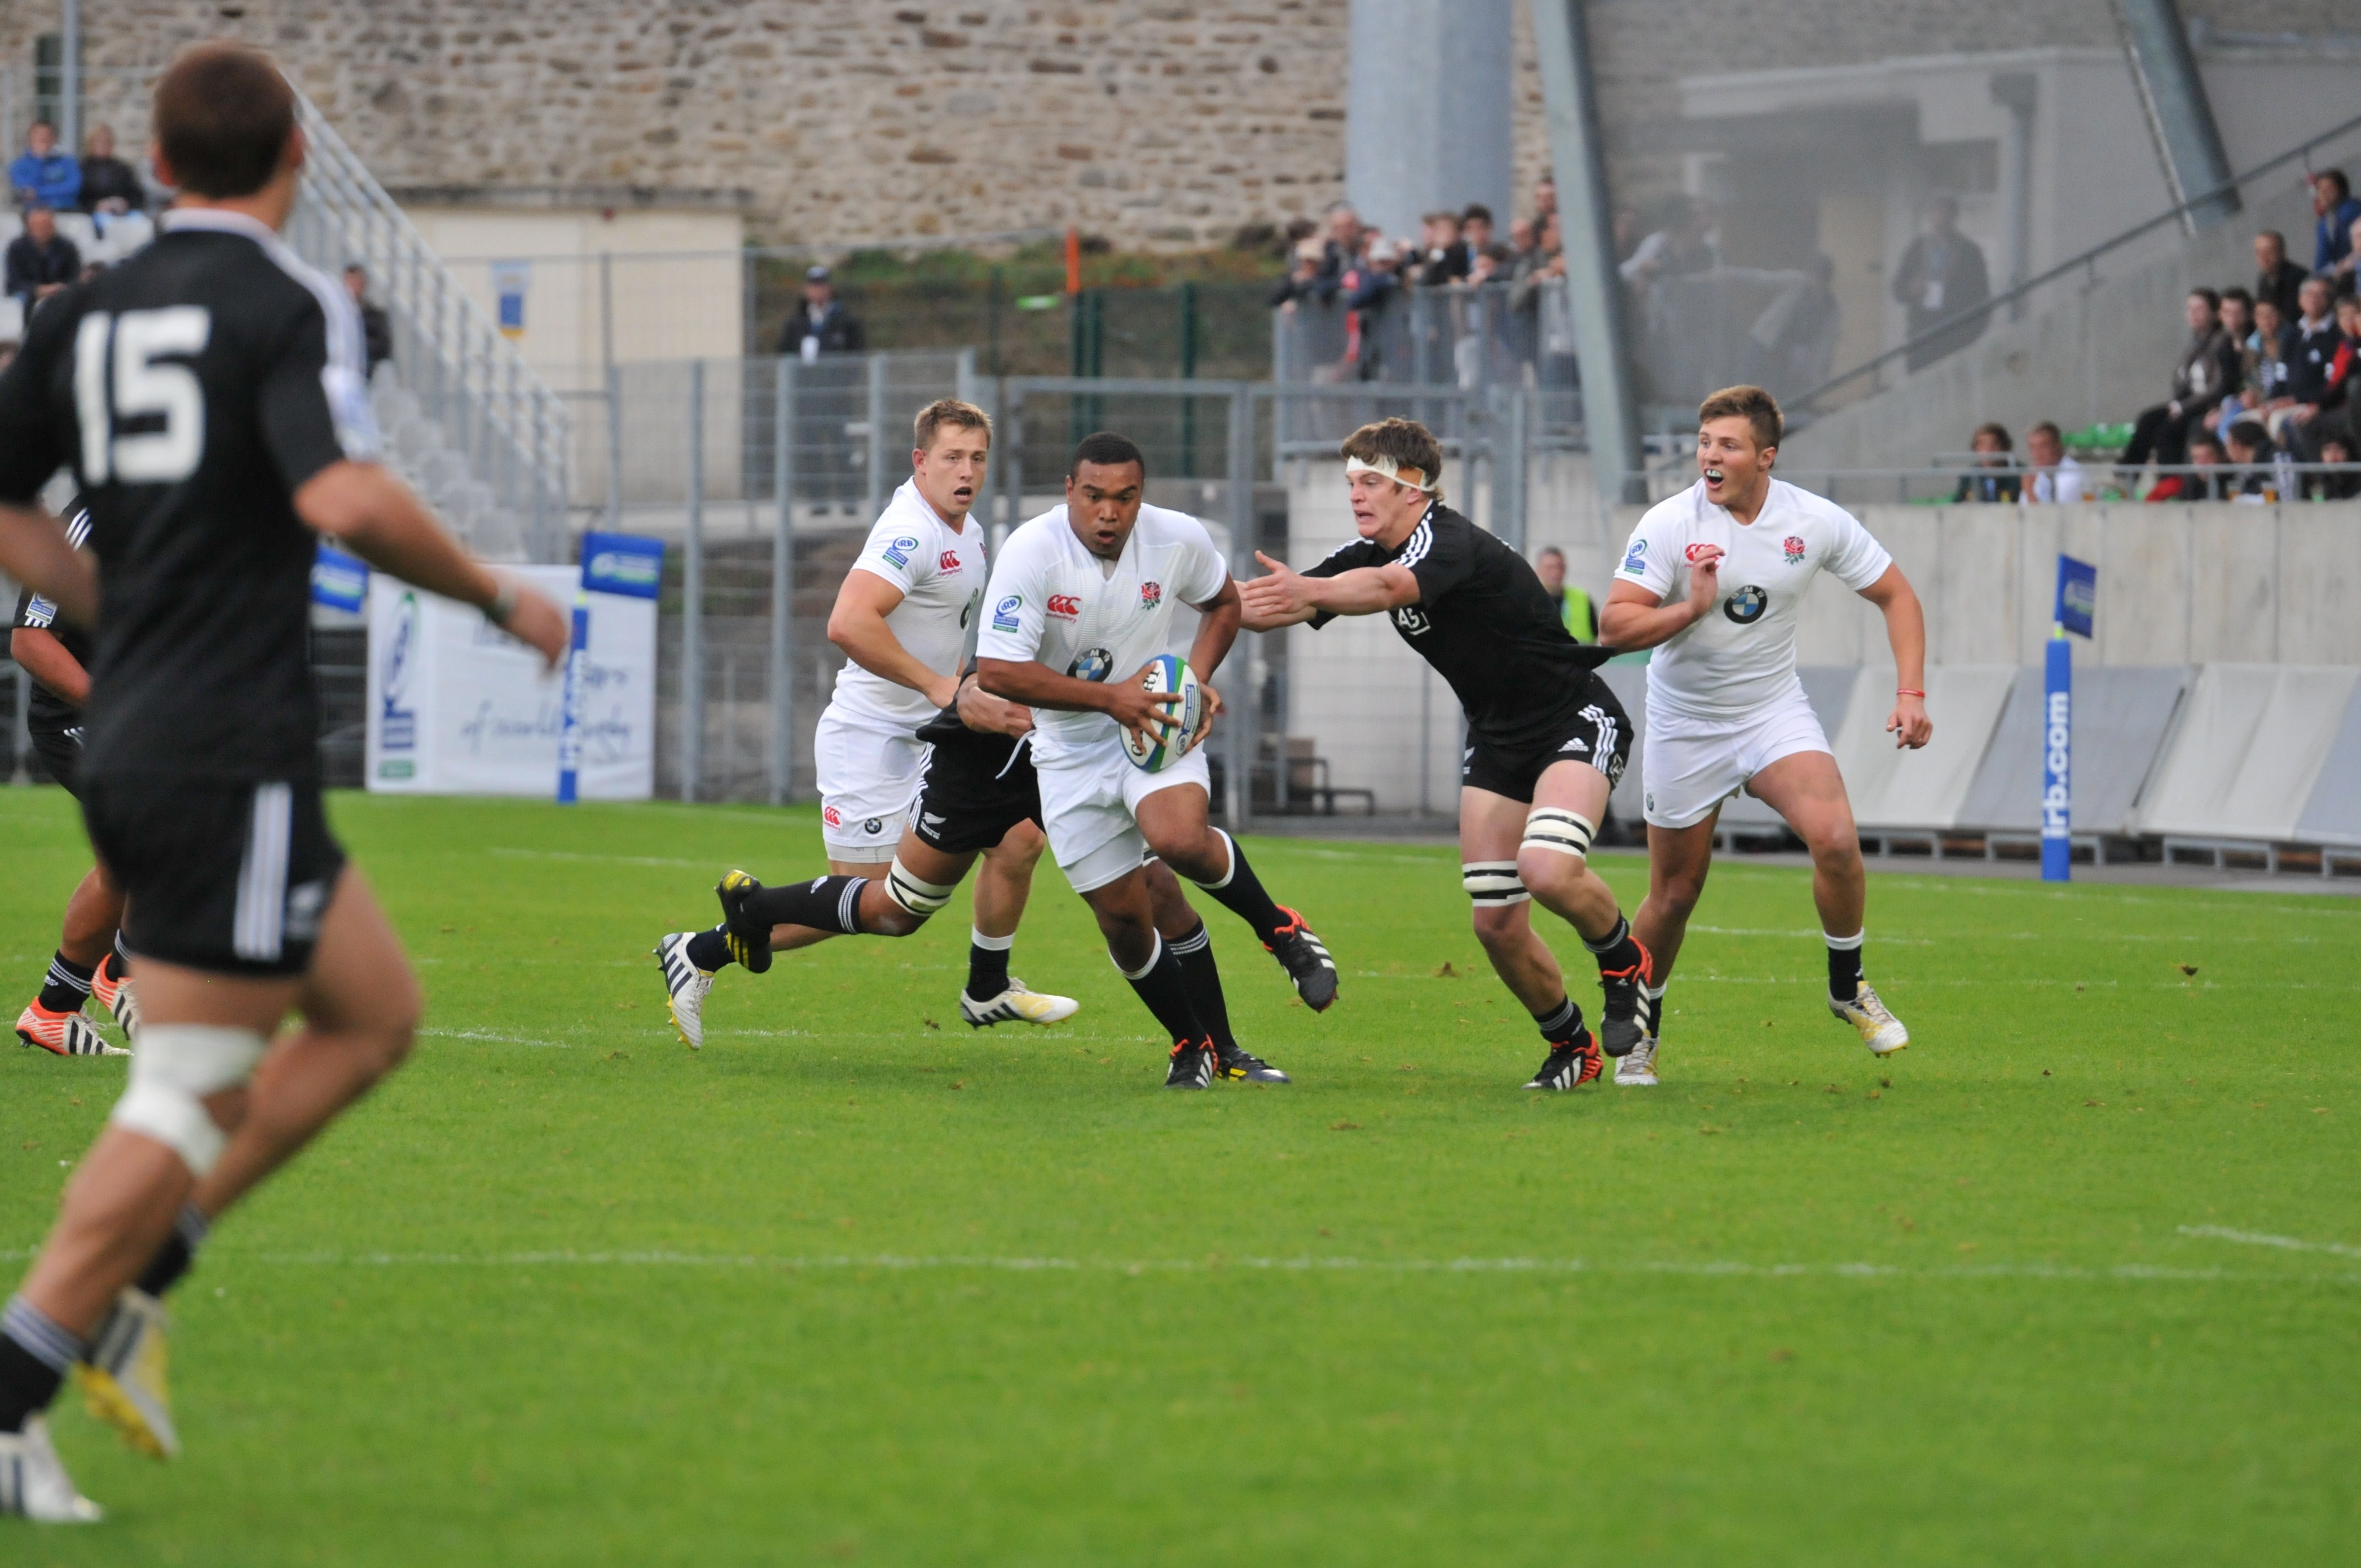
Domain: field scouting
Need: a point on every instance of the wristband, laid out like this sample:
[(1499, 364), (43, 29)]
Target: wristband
[(503, 605), (1906, 691)]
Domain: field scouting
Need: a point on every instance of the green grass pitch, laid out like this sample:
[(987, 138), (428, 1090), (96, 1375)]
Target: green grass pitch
[(856, 1284)]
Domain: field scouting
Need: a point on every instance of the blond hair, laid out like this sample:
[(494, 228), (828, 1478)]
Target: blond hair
[(951, 412), (1753, 404)]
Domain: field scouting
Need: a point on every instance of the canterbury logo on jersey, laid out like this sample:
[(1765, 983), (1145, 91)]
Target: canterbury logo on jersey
[(1065, 607), (949, 563)]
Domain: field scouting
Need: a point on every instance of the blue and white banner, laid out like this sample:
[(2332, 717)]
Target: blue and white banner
[(2078, 595), (339, 581), (623, 564), (2058, 764)]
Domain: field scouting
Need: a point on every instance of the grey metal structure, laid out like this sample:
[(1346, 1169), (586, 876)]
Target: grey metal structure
[(2123, 716), (2188, 144), (2332, 814), (1586, 215), (1427, 108)]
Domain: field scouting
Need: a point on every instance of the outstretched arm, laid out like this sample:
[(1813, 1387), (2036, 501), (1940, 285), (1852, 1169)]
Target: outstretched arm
[(1905, 629), (33, 550), (1636, 619), (1287, 598)]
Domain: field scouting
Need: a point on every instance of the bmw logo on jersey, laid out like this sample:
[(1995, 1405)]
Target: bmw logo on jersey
[(1091, 664), (1746, 604)]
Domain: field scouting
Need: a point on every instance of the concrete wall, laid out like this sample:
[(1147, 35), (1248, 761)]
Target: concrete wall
[(2178, 584), (2103, 354)]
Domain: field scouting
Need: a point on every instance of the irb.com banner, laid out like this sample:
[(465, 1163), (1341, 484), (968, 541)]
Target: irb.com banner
[(457, 706)]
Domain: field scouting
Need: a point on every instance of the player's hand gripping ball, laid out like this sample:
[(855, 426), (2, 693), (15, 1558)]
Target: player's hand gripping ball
[(1169, 741)]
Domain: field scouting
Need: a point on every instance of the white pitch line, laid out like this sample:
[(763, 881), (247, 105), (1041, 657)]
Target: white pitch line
[(2256, 1238), (497, 1039), (898, 1262), (601, 860)]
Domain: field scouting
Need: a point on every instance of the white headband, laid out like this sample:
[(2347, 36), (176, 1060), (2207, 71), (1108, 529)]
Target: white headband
[(1388, 468)]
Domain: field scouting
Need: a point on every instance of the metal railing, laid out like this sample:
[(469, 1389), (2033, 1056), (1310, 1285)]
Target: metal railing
[(1968, 322), (2272, 480), (495, 413)]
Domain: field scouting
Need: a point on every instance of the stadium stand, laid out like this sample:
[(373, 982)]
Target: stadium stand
[(2246, 755)]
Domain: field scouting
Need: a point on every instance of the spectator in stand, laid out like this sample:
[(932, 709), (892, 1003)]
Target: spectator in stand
[(2205, 455), (2238, 323), (1993, 450), (821, 325), (2345, 275), (40, 261), (1486, 255), (377, 331), (2334, 210), (1369, 287), (2057, 479), (1442, 255), (2311, 360), (1346, 241), (1303, 276), (2337, 448), (2267, 475), (2339, 415), (1524, 237), (1941, 274), (1574, 606), (1544, 199), (109, 185), (1683, 245), (2207, 373), (43, 176), (1543, 263), (2276, 278)]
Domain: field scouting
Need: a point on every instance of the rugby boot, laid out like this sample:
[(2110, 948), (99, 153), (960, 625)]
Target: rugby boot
[(1305, 958), (1627, 1018), (63, 1034), (33, 1480), (1570, 1066), (1192, 1065), (749, 939), (685, 987), (119, 997), (1638, 1070), (1235, 1062), (124, 1383), (1020, 1003), (1879, 1029)]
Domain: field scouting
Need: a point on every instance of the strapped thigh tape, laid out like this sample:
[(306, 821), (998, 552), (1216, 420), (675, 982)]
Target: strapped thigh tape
[(1568, 832), (177, 1065), (1492, 882), (920, 898)]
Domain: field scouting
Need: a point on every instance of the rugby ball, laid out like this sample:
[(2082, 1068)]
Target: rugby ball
[(1168, 673)]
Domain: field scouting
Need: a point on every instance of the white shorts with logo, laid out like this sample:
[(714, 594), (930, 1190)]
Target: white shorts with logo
[(868, 776), (1690, 766), (1090, 801)]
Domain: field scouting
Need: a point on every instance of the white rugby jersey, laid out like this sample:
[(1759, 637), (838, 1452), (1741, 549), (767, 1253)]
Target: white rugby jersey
[(1742, 655), (942, 575), (1054, 602)]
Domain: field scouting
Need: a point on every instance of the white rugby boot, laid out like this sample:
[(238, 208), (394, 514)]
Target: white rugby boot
[(1020, 1003), (124, 1381), (1637, 1068), (685, 987), (1879, 1029), (33, 1480)]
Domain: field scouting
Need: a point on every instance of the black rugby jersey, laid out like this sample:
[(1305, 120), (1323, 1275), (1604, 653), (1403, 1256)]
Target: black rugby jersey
[(1488, 626), (47, 712), (192, 391)]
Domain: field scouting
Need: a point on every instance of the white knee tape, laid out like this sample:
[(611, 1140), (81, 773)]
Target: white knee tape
[(1492, 882), (175, 1066), (1565, 832), (920, 898)]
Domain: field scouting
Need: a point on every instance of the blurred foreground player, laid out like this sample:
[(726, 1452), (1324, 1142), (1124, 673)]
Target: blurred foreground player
[(904, 616), (90, 959), (1546, 739), (1726, 710), (209, 395)]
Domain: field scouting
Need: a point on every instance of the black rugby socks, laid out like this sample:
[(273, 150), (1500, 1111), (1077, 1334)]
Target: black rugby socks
[(1195, 952), (1616, 952), (824, 904), (987, 965), (178, 1254), (1241, 892), (1165, 989), (1844, 967), (35, 1354), (708, 950), (1562, 1024), (67, 986)]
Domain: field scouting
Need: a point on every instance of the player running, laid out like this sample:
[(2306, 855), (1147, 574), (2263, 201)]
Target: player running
[(1082, 600), (1726, 711), (1546, 739), (209, 395), (905, 613), (90, 958)]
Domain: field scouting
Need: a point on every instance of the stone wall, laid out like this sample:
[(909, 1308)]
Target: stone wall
[(1154, 122)]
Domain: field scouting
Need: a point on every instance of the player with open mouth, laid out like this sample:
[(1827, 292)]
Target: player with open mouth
[(1714, 580)]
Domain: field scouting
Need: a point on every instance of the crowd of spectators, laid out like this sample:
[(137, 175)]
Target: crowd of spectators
[(44, 181)]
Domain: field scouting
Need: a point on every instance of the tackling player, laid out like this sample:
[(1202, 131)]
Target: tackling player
[(90, 957), (209, 393), (904, 614), (1085, 593), (1546, 739), (1714, 580)]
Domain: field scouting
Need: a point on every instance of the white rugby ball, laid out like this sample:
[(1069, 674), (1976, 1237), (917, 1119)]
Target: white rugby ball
[(1168, 742)]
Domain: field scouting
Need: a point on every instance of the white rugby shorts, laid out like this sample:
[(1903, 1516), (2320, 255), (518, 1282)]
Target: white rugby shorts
[(1090, 800), (868, 776), (1690, 766)]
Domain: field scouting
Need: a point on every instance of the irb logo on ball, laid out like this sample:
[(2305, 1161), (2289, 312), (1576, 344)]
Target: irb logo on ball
[(1169, 741)]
